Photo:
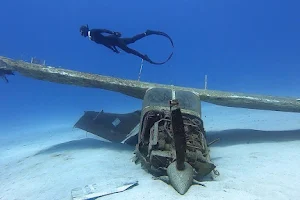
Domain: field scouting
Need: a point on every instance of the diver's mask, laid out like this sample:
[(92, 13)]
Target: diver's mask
[(84, 30)]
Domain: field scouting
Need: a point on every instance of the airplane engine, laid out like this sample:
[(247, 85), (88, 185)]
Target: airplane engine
[(171, 130)]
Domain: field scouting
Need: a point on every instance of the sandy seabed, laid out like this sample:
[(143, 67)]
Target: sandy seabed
[(258, 157)]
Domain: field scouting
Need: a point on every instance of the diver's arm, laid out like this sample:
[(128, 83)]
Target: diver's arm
[(103, 31), (118, 34)]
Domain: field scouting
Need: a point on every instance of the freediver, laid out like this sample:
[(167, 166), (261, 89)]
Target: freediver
[(114, 40), (4, 72)]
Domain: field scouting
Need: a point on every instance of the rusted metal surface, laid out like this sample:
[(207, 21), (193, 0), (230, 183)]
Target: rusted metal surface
[(172, 145), (137, 89)]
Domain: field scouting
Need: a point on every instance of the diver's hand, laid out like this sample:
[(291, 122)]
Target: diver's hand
[(118, 34), (116, 50)]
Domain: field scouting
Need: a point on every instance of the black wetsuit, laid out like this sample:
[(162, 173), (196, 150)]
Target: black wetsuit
[(112, 41)]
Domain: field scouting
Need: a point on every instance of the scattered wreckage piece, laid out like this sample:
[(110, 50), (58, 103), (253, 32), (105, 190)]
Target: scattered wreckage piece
[(95, 191), (110, 126), (138, 89)]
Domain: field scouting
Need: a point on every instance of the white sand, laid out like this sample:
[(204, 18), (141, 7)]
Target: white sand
[(259, 162)]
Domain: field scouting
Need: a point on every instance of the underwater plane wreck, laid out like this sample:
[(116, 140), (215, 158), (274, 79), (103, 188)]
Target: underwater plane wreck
[(170, 139)]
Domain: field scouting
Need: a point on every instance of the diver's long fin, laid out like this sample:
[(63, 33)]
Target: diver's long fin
[(160, 63), (152, 32)]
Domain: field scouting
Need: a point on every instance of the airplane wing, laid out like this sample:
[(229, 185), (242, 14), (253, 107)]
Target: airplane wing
[(137, 89), (111, 126)]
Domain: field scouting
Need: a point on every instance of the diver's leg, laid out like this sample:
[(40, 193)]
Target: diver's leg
[(134, 52), (134, 38), (115, 49), (142, 35), (112, 48)]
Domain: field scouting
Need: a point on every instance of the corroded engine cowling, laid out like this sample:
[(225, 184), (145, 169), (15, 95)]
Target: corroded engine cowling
[(156, 147)]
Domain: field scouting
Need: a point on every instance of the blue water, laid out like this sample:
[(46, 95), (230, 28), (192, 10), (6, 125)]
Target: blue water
[(243, 46)]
